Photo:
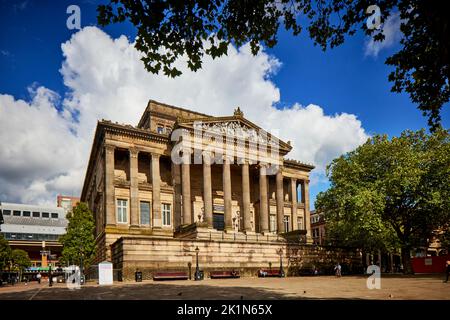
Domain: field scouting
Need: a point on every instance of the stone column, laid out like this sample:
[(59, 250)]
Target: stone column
[(263, 201), (294, 196), (134, 188), (246, 197), (207, 191), (156, 192), (110, 206), (177, 212), (186, 188), (226, 178), (280, 201), (307, 215)]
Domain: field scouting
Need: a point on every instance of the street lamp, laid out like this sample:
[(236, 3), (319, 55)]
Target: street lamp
[(50, 278), (280, 252), (81, 266), (197, 275)]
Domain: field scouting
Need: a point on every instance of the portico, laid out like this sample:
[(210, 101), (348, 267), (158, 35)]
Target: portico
[(182, 174)]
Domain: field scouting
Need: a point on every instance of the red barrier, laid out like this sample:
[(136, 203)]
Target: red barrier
[(429, 264)]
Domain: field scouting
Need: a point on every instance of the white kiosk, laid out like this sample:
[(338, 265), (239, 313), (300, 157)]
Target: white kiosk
[(105, 273)]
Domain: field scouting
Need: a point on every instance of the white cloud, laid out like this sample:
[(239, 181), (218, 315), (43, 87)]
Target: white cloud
[(47, 151), (392, 35)]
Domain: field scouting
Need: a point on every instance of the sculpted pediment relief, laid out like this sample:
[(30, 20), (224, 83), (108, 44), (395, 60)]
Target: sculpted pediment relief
[(236, 128)]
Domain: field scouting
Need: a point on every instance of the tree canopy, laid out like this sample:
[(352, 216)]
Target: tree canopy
[(170, 29), (390, 192), (78, 242), (5, 252), (20, 260)]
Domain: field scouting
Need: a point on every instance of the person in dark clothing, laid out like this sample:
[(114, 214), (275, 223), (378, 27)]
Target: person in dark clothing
[(447, 270)]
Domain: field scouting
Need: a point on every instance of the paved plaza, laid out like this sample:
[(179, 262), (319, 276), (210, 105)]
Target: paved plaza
[(322, 287)]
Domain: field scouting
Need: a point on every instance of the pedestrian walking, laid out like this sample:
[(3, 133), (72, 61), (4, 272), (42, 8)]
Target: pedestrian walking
[(447, 270), (337, 270), (38, 277)]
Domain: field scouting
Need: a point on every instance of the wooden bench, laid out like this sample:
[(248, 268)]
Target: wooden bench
[(224, 274), (269, 273), (170, 275)]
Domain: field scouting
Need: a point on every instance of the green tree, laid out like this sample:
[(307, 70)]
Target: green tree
[(5, 252), (20, 260), (170, 29), (78, 242), (390, 192), (445, 239)]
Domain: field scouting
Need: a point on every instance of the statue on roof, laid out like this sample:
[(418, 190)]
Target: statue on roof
[(238, 112)]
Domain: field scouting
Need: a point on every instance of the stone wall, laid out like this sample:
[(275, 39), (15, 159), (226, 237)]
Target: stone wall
[(159, 254)]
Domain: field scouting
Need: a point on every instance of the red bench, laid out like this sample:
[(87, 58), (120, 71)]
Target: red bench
[(170, 275), (269, 273), (224, 274)]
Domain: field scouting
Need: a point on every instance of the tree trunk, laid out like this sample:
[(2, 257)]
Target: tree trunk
[(407, 262)]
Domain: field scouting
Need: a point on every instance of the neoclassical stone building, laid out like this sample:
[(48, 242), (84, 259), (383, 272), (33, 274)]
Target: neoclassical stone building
[(181, 179)]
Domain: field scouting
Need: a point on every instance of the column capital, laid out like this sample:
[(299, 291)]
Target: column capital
[(110, 147), (206, 157), (263, 164), (155, 155), (186, 156), (133, 151), (227, 158)]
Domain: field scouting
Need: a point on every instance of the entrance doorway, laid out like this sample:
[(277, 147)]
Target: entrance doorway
[(218, 221)]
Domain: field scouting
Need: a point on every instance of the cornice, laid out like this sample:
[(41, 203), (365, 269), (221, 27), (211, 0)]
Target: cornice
[(291, 163)]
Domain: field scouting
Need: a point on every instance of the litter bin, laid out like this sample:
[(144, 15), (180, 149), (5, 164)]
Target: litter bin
[(199, 275), (138, 276)]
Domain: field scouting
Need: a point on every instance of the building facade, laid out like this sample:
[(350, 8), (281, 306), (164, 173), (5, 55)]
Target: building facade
[(181, 179), (35, 229), (67, 202), (318, 227)]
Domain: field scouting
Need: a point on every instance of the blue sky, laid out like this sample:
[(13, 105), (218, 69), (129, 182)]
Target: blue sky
[(340, 80)]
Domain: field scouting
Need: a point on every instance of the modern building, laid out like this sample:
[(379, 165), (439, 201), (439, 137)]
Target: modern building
[(35, 229), (318, 227), (182, 182), (67, 202)]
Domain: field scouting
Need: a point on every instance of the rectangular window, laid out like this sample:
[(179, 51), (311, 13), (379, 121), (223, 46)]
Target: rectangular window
[(16, 213), (286, 223), (273, 223), (166, 214), (26, 213), (54, 215), (6, 212), (122, 205), (145, 212), (299, 223), (168, 130), (36, 214), (218, 221), (160, 129), (45, 215)]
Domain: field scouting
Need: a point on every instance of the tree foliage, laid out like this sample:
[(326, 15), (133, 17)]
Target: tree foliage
[(20, 260), (78, 242), (390, 192), (170, 29), (5, 252)]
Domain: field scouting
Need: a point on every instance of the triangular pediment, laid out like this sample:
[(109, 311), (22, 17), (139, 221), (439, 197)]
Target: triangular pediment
[(236, 126)]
